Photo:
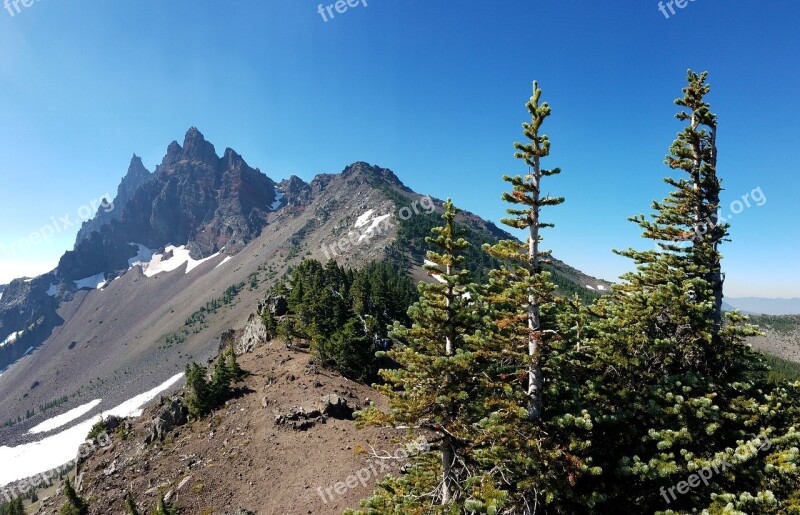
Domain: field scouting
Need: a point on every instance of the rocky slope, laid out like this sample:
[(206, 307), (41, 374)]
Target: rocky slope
[(280, 446), (781, 335)]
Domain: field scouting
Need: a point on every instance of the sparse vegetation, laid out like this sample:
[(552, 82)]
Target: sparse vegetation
[(206, 394), (43, 408), (75, 504), (784, 324), (196, 322), (782, 369), (165, 508), (130, 505)]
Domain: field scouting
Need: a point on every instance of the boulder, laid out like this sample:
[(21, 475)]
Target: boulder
[(277, 305), (169, 417), (335, 407), (254, 335), (300, 419)]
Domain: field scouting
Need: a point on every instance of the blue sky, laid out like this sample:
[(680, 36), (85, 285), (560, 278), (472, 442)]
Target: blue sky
[(434, 90)]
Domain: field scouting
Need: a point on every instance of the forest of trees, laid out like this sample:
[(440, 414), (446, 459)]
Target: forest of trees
[(12, 507), (647, 400), (343, 314)]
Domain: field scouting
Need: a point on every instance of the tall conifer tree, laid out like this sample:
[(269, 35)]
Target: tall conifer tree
[(75, 504), (528, 274), (680, 389), (432, 388)]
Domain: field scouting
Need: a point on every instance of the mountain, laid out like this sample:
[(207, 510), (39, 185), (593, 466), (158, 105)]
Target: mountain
[(781, 335), (189, 252), (765, 306), (136, 176), (194, 198)]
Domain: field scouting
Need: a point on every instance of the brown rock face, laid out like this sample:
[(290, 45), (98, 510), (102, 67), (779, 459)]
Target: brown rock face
[(194, 198)]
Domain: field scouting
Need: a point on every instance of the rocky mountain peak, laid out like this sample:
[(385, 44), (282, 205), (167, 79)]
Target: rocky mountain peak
[(136, 170), (196, 148), (135, 177), (232, 159), (195, 199), (368, 171), (297, 191)]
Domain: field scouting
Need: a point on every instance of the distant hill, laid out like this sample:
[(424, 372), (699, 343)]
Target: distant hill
[(780, 342), (765, 306)]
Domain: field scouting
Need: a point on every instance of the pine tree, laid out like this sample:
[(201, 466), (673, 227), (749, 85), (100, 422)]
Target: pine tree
[(285, 330), (528, 275), (679, 284), (433, 388), (695, 152), (270, 324), (15, 507), (350, 352), (234, 371), (676, 390), (532, 466), (75, 504), (165, 508), (130, 504), (200, 399)]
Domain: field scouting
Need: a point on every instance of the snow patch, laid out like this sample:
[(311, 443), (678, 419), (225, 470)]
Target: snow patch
[(227, 258), (435, 276), (375, 223), (52, 290), (363, 219), (65, 418), (12, 337), (180, 255), (601, 287), (590, 287), (134, 407), (36, 457), (96, 281), (278, 199)]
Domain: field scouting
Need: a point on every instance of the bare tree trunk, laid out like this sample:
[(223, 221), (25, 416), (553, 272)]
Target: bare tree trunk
[(448, 453), (535, 343), (448, 344), (448, 460)]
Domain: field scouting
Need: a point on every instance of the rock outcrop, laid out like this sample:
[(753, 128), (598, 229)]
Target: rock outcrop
[(335, 406), (171, 415), (254, 335)]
